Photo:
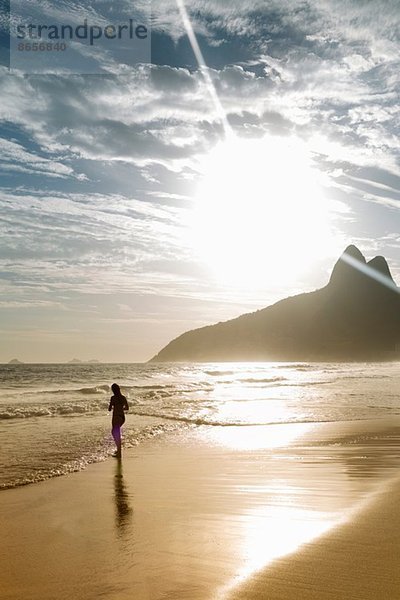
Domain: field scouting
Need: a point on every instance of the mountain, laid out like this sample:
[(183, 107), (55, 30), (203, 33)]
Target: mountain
[(15, 361), (356, 316)]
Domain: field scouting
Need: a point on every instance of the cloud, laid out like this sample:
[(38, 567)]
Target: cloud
[(317, 80), (318, 59), (14, 157), (98, 173), (64, 249), (325, 71), (86, 243)]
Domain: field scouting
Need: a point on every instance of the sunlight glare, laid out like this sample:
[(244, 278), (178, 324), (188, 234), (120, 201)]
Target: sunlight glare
[(274, 531), (260, 437), (260, 211)]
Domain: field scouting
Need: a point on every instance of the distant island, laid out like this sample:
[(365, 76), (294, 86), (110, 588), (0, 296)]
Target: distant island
[(356, 316), (15, 361), (76, 361)]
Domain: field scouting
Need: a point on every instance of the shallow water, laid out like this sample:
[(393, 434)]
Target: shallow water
[(54, 418)]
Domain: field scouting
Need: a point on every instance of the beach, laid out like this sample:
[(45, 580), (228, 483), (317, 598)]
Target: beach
[(200, 300), (282, 511), (358, 560)]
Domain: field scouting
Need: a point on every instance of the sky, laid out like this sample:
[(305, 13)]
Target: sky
[(144, 200)]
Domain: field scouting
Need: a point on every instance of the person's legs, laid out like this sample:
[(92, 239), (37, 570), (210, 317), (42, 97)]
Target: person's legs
[(116, 433)]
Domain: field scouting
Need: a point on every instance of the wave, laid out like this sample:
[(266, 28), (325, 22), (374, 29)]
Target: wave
[(304, 384), (215, 423), (50, 410), (94, 399), (219, 373), (363, 377), (297, 366), (74, 409), (105, 389), (96, 389), (257, 380)]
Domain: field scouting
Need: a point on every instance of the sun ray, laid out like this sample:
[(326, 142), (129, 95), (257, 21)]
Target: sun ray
[(373, 273), (228, 133)]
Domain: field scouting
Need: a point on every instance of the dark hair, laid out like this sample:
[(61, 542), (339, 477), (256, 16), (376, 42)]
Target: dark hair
[(115, 389)]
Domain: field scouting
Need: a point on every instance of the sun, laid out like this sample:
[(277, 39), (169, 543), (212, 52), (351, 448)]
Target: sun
[(260, 211)]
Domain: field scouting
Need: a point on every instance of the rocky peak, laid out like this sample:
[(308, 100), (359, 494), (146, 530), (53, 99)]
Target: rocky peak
[(345, 271), (379, 264)]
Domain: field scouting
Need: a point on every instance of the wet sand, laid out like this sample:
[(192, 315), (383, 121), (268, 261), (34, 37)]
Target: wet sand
[(192, 516), (358, 561)]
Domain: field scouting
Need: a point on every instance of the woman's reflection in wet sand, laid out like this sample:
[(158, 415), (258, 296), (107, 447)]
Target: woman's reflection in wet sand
[(123, 510)]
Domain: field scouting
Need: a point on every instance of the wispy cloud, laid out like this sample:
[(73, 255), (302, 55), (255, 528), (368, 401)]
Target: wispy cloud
[(14, 157)]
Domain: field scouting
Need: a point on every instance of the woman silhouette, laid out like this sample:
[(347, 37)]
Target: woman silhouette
[(118, 404)]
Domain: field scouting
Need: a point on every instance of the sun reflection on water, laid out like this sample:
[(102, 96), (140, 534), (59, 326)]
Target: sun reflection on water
[(259, 437)]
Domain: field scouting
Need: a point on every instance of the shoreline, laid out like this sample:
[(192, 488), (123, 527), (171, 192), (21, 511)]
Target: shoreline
[(353, 561), (190, 514)]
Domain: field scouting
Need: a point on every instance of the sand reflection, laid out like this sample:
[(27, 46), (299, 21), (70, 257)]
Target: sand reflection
[(273, 531), (300, 488), (123, 509)]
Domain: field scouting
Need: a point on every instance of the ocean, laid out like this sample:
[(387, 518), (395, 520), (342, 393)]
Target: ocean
[(54, 418)]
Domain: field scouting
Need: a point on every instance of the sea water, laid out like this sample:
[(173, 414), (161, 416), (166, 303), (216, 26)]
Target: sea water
[(54, 418)]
